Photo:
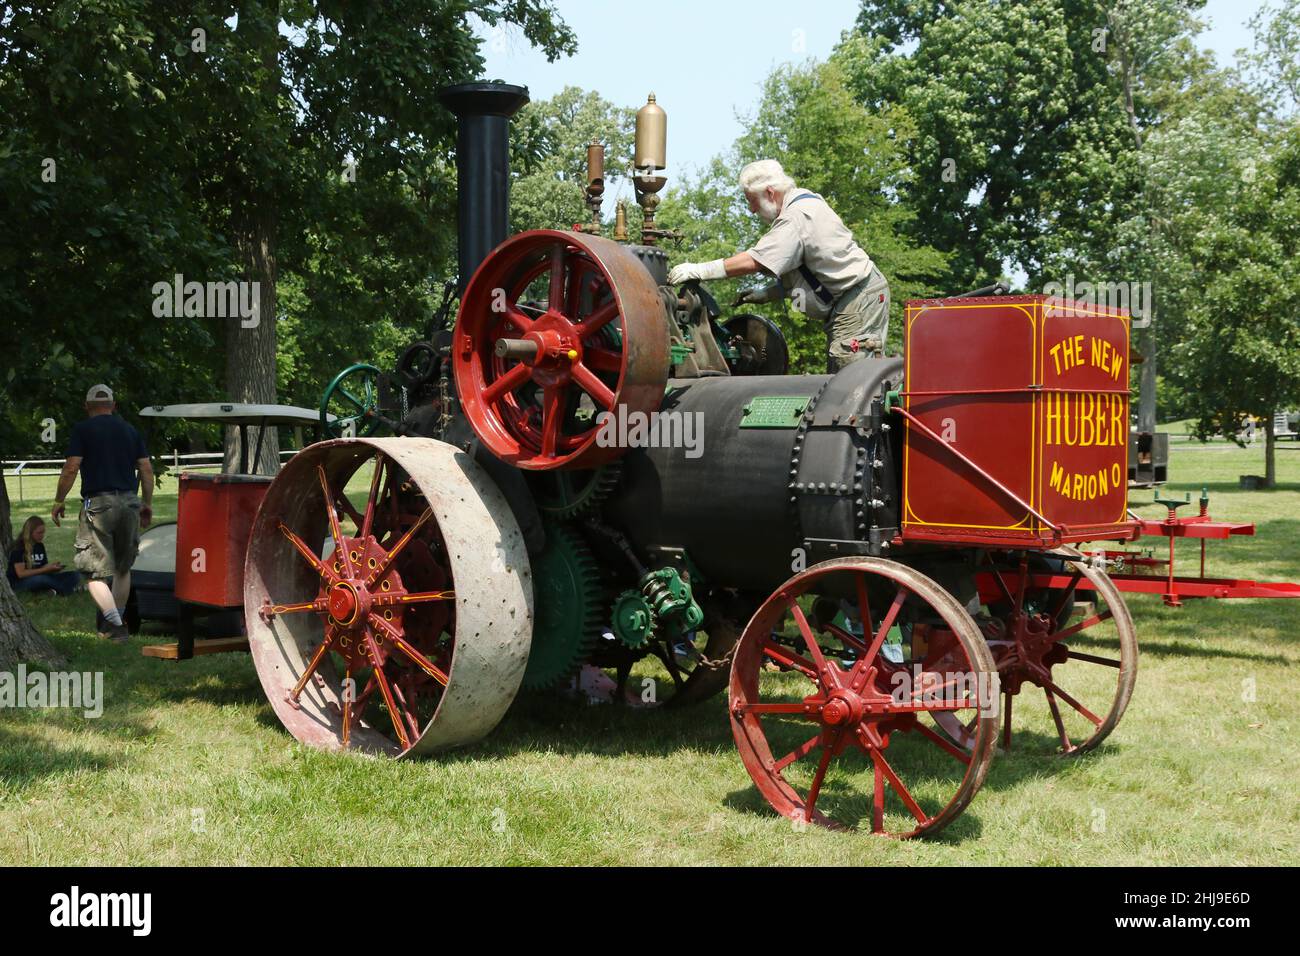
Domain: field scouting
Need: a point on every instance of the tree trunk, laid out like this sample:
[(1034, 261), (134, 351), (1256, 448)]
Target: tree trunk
[(250, 352), (19, 639), (1270, 447), (250, 349)]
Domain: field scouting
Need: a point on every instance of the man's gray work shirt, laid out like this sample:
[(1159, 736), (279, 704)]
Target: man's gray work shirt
[(809, 232)]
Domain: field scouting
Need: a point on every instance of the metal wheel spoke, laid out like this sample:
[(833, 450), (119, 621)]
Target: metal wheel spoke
[(1001, 582), (517, 318), (1021, 583), (387, 691), (877, 798), (602, 360), (810, 640), (598, 390), (325, 644), (341, 502), (552, 415), (402, 542), (860, 667), (372, 499), (1089, 622), (798, 753), (864, 606), (935, 708), (1093, 659), (417, 597), (574, 301), (846, 638), (903, 793), (271, 610), (555, 298), (668, 659), (361, 406), (814, 791), (920, 695), (1065, 595), (347, 709), (335, 531), (507, 383), (942, 744), (400, 642), (795, 709), (789, 658), (1060, 724), (317, 565), (1073, 703), (597, 320), (412, 724)]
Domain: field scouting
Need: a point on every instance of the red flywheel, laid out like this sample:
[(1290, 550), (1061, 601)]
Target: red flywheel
[(554, 329)]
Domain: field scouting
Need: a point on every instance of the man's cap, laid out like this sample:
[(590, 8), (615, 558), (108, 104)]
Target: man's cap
[(99, 393)]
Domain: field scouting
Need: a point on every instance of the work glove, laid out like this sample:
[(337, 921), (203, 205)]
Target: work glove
[(688, 271), (762, 296)]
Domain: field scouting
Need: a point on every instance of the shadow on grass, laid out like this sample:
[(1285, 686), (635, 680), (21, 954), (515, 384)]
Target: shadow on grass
[(1033, 757), (26, 758)]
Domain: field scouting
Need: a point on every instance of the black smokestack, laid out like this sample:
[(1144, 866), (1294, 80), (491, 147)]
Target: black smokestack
[(483, 112)]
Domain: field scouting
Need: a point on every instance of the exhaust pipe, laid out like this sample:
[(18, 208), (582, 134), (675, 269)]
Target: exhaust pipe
[(483, 112)]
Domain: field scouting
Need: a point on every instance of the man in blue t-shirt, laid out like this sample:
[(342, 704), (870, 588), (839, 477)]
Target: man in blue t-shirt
[(108, 453)]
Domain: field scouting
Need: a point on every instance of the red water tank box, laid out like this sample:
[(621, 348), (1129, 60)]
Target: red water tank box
[(213, 517), (1027, 392)]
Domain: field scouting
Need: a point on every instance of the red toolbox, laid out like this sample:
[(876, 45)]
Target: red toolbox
[(214, 514)]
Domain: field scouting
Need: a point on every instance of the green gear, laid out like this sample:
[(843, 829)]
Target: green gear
[(566, 494), (568, 592), (671, 597), (633, 619)]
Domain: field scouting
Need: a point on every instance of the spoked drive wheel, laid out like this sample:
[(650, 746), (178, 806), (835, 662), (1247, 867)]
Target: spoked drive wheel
[(1081, 667), (394, 616), (839, 730), (533, 377)]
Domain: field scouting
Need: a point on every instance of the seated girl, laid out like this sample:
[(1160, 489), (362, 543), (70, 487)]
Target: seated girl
[(30, 570)]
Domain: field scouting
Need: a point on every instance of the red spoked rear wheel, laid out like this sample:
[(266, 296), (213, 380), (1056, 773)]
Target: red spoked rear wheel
[(842, 718), (1059, 627), (554, 329)]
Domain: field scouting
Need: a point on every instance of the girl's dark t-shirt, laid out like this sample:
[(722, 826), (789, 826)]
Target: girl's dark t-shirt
[(17, 557)]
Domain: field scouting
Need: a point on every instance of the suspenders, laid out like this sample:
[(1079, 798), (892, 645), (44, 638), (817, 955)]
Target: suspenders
[(814, 283)]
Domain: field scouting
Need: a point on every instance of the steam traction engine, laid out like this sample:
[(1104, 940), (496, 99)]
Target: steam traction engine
[(874, 565)]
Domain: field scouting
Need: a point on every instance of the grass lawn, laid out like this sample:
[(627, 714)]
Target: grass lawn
[(188, 764)]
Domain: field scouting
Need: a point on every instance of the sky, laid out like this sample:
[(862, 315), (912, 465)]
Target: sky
[(705, 60)]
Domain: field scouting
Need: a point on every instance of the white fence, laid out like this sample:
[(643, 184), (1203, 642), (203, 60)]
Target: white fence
[(33, 467)]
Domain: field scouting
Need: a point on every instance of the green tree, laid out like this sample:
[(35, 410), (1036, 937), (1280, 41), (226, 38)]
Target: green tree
[(1242, 342), (1024, 151), (549, 142), (255, 140)]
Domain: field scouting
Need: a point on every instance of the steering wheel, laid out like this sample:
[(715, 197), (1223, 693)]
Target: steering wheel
[(355, 394)]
